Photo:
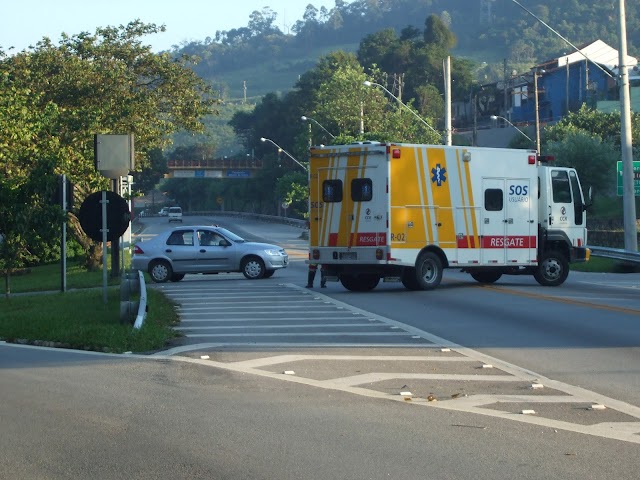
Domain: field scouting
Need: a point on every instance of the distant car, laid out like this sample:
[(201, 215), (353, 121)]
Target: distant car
[(205, 249), (164, 211), (175, 214)]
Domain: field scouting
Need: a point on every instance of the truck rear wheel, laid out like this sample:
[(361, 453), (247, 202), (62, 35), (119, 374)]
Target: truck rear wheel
[(362, 283), (409, 279), (553, 269), (429, 270)]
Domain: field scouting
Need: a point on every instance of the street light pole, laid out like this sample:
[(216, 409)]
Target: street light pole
[(535, 89), (280, 149), (305, 118), (496, 117), (628, 190), (369, 84)]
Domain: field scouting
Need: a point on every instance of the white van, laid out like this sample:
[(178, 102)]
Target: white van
[(175, 214)]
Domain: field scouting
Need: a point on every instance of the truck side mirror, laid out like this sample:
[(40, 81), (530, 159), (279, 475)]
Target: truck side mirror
[(589, 201)]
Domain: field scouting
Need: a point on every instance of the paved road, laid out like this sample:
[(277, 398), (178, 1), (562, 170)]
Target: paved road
[(274, 326), (246, 404)]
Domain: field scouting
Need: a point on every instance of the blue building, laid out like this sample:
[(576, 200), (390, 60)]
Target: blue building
[(565, 83)]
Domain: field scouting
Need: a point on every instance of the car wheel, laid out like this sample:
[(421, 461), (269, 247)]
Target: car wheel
[(176, 277), (553, 269), (269, 273), (253, 268), (160, 271), (429, 268)]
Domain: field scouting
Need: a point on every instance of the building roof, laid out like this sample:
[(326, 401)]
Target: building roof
[(602, 54)]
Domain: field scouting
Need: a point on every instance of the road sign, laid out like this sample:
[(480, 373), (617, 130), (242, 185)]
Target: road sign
[(636, 178), (238, 173)]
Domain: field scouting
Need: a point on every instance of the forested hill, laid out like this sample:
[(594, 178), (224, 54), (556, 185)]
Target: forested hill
[(487, 31)]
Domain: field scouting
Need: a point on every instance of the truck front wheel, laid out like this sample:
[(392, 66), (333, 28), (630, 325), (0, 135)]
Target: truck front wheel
[(553, 269), (429, 270)]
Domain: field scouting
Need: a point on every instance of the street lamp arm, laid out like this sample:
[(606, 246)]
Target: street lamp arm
[(370, 84), (263, 139), (304, 118), (495, 117)]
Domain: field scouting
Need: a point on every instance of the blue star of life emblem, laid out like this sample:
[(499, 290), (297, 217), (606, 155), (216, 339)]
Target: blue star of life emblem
[(438, 175)]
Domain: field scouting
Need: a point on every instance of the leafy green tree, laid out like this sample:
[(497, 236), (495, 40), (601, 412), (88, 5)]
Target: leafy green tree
[(293, 188), (593, 158), (28, 146), (104, 83)]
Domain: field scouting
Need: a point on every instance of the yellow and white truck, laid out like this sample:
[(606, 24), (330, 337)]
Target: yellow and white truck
[(403, 212)]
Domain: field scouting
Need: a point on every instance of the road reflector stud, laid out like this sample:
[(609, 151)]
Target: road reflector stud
[(432, 398), (597, 407), (528, 412), (204, 357), (406, 394), (289, 372), (487, 365), (445, 349), (537, 386)]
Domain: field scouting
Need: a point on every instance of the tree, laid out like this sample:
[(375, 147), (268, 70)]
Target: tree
[(27, 144), (436, 32), (103, 83), (593, 158)]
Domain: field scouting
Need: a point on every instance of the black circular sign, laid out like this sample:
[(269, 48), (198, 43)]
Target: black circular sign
[(118, 216)]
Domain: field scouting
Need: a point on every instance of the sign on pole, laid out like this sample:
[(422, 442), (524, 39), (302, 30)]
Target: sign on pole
[(636, 178)]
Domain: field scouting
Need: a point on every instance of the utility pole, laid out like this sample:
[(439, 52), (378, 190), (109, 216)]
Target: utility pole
[(628, 191), (535, 92)]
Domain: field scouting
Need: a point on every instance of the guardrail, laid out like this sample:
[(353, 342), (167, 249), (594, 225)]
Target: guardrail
[(142, 305), (615, 254), (296, 222), (132, 282)]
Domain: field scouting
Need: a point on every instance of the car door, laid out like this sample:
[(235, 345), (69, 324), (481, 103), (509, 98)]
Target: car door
[(180, 250), (213, 253)]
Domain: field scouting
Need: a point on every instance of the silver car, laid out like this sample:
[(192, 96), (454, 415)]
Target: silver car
[(205, 249)]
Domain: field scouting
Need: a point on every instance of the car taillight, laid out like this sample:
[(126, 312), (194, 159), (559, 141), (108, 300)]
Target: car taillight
[(137, 250)]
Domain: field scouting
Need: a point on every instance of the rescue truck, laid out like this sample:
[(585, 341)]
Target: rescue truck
[(404, 212)]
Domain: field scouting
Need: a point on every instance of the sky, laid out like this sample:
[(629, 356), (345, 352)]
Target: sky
[(24, 23)]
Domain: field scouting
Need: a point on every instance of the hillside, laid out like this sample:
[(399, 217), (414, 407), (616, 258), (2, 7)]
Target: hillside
[(489, 32)]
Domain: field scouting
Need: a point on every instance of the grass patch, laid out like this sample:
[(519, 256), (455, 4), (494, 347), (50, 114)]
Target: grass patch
[(53, 319), (49, 278)]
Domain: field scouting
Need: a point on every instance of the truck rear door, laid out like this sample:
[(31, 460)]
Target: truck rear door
[(348, 202)]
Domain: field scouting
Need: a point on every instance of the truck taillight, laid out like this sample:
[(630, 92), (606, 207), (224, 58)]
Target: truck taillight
[(137, 250), (395, 153), (532, 159), (316, 254), (379, 254)]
